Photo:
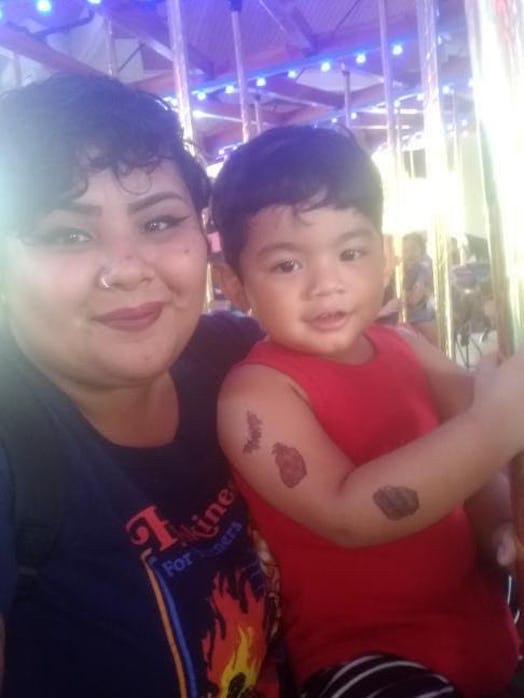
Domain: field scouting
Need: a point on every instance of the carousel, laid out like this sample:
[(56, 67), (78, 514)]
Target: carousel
[(434, 90)]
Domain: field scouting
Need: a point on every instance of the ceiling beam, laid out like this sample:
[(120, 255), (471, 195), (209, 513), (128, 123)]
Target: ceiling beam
[(292, 22), (292, 91), (163, 84), (151, 31), (231, 112), (24, 44)]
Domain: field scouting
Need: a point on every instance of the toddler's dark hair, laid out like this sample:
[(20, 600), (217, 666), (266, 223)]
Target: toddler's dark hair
[(298, 166)]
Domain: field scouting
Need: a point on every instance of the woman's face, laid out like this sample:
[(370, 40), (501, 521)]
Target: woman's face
[(108, 290)]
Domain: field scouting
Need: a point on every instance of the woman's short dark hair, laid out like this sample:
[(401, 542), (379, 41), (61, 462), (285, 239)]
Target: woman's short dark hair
[(54, 134), (298, 166)]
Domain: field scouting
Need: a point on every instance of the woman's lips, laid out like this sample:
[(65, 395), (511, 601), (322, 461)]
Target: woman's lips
[(132, 319)]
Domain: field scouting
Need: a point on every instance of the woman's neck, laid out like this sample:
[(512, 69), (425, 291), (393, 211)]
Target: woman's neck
[(139, 416)]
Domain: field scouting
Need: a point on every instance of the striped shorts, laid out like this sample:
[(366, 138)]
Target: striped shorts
[(377, 676)]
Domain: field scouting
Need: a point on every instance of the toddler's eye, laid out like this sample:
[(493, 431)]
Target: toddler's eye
[(286, 267), (351, 255)]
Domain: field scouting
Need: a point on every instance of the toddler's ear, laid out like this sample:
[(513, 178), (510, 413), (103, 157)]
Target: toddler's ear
[(231, 285)]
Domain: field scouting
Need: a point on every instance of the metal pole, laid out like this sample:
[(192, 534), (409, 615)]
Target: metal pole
[(180, 68), (346, 77), (259, 123), (392, 147), (243, 92), (496, 39), (437, 170), (112, 62), (388, 79)]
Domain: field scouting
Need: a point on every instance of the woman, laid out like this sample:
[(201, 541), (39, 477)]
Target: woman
[(152, 587)]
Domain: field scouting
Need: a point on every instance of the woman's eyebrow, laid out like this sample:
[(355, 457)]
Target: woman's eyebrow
[(87, 209), (152, 199)]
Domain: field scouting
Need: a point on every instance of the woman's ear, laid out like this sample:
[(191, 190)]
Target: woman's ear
[(231, 285)]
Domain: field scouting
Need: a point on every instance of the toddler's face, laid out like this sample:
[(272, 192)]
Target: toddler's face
[(314, 279)]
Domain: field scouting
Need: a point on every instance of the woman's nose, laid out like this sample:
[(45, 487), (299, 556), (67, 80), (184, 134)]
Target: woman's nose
[(125, 271)]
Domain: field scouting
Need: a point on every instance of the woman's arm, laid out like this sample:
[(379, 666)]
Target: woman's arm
[(270, 434)]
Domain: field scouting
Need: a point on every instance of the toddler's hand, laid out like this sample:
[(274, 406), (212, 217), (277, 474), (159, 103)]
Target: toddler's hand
[(499, 401)]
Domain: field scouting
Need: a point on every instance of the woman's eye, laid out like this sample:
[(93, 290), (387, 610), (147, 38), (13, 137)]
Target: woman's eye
[(286, 267), (163, 223), (60, 237), (351, 255)]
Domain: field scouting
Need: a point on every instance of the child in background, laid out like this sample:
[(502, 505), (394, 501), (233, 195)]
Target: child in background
[(357, 445)]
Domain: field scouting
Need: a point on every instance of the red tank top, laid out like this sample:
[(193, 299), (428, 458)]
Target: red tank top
[(425, 597)]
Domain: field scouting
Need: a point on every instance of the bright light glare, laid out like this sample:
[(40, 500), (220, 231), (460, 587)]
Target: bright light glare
[(292, 74), (230, 89), (325, 66), (360, 58), (44, 6), (260, 82), (397, 49), (201, 96)]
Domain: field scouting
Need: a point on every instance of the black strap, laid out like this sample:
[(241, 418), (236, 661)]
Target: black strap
[(31, 443)]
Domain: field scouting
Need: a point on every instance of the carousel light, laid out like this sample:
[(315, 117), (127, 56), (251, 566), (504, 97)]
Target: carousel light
[(94, 2), (397, 49), (201, 96), (260, 82), (470, 83), (397, 104), (354, 115), (198, 114), (420, 97), (464, 123), (325, 66), (360, 58), (230, 89), (447, 89), (44, 6), (292, 74), (334, 120)]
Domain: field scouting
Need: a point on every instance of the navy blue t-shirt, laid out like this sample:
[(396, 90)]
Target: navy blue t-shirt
[(154, 589)]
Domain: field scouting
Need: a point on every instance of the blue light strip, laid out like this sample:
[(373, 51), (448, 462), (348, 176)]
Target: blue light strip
[(312, 61)]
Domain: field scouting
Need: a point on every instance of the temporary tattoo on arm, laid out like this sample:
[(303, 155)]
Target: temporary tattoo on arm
[(291, 465), (396, 502), (254, 433)]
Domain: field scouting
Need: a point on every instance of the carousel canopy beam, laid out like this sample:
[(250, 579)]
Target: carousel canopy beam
[(152, 32), (291, 91), (292, 22), (231, 112), (24, 45)]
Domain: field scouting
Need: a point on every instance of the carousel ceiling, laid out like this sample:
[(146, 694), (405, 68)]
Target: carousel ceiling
[(294, 52)]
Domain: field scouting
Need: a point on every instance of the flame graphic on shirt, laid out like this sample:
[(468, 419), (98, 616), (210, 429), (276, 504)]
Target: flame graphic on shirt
[(235, 645)]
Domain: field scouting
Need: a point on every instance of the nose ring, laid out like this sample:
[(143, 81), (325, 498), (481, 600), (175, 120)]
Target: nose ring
[(104, 282)]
